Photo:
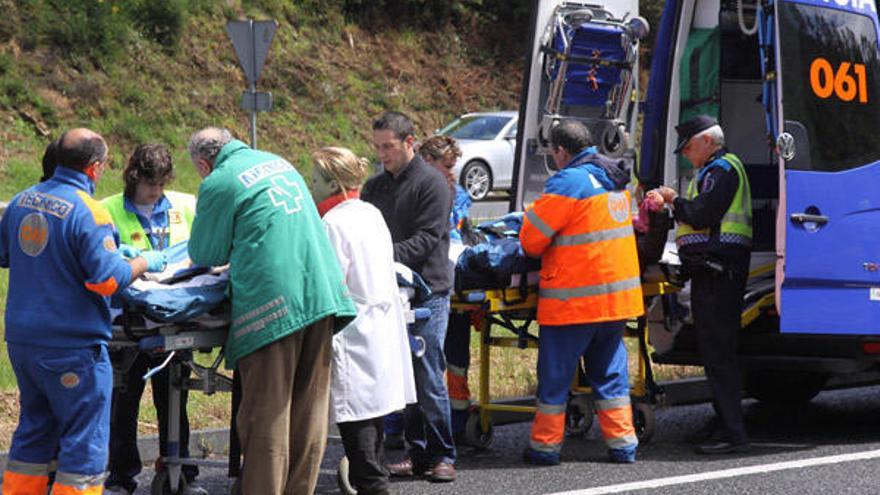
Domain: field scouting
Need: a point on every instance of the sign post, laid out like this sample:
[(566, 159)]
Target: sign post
[(251, 40)]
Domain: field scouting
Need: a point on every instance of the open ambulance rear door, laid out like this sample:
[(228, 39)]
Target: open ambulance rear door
[(828, 226)]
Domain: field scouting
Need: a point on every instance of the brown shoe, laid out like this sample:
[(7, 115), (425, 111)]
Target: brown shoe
[(442, 472), (401, 468)]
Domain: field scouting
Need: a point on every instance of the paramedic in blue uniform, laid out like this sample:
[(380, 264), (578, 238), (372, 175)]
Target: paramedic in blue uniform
[(713, 235), (63, 265)]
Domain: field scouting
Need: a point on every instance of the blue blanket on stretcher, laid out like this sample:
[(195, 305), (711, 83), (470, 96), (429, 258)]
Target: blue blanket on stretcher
[(177, 295), (492, 263)]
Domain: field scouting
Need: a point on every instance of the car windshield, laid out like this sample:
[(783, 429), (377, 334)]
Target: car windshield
[(475, 127), (830, 84)]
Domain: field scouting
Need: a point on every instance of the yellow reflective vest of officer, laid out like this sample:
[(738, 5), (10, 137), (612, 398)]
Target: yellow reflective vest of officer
[(736, 224)]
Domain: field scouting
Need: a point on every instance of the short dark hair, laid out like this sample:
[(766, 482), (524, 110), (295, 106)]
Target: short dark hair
[(79, 154), (570, 135), (50, 160), (395, 121), (150, 162)]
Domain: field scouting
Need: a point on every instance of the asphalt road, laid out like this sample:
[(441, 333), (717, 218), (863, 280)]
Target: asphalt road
[(830, 446)]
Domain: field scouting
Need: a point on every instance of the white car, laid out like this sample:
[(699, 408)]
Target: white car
[(488, 144)]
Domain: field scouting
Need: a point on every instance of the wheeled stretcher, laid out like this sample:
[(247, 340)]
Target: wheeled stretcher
[(514, 310), (202, 334), (177, 312)]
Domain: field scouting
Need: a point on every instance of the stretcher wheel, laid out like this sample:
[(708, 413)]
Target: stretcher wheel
[(474, 433), (644, 421), (342, 478), (578, 416), (161, 484)]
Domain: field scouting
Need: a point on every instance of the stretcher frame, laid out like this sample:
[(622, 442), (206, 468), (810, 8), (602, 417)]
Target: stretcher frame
[(515, 310), (202, 335)]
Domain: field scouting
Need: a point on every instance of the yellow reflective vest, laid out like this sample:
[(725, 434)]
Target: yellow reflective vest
[(131, 232)]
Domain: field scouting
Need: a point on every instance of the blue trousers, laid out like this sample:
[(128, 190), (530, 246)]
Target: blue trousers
[(427, 426), (65, 407)]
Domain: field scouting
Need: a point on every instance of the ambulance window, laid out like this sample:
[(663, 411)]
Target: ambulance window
[(831, 83)]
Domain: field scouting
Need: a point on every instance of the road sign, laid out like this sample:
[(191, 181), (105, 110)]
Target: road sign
[(256, 101), (251, 40)]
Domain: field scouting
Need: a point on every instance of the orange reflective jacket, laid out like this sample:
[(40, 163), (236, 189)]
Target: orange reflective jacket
[(582, 230)]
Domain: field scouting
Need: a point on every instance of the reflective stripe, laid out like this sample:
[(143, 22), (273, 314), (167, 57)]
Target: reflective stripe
[(622, 442), (545, 447), (59, 489), (612, 403), (456, 370), (589, 290), (460, 404), (601, 235), (551, 408), (262, 309), (736, 218), (28, 468), (106, 288), (686, 239), (79, 481), (735, 239), (539, 224)]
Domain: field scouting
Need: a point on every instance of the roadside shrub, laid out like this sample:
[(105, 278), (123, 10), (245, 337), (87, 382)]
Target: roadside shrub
[(160, 20)]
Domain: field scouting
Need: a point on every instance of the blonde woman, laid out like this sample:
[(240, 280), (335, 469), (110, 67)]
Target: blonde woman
[(372, 370)]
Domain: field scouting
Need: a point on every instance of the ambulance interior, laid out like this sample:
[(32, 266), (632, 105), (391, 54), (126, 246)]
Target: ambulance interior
[(717, 72)]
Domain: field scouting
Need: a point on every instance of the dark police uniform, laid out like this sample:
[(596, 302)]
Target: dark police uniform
[(714, 240)]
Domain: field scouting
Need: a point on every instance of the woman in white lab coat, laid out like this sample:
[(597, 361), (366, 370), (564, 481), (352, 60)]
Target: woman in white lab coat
[(372, 368)]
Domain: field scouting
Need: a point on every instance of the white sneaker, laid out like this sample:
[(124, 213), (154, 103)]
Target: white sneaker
[(195, 488), (118, 490)]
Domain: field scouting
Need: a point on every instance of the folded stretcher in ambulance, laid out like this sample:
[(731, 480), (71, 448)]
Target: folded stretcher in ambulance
[(588, 61)]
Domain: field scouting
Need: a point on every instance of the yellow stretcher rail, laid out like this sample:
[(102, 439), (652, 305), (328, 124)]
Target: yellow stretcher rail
[(515, 309)]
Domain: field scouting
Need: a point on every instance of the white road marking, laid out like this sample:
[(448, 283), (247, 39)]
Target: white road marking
[(725, 473)]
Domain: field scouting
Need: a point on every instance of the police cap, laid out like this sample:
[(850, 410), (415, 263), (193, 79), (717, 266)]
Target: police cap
[(690, 128)]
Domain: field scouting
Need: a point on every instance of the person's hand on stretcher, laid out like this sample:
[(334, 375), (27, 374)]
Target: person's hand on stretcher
[(156, 261)]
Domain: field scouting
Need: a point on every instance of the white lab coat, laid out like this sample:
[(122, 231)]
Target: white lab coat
[(372, 367)]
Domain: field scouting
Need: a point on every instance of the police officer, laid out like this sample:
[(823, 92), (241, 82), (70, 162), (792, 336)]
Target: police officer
[(714, 237)]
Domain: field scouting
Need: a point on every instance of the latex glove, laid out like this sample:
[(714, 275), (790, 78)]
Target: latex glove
[(129, 252), (156, 260)]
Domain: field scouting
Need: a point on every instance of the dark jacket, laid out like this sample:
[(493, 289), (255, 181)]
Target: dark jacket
[(416, 205), (717, 190)]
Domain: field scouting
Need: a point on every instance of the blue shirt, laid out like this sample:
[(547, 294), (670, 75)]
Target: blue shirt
[(63, 264), (156, 226)]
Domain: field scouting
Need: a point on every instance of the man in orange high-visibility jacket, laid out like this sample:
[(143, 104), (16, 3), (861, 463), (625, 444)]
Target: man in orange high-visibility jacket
[(581, 227)]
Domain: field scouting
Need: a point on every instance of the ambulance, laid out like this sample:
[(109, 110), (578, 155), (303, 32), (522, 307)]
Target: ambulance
[(795, 84)]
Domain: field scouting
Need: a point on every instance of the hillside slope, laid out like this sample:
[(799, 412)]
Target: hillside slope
[(329, 77)]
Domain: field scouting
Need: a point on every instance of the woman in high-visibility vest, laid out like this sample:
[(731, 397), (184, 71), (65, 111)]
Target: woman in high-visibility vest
[(147, 217)]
